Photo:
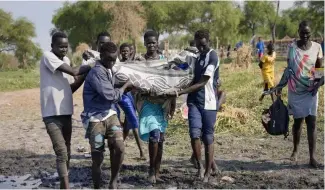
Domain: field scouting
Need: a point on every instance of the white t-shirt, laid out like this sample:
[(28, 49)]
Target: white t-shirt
[(56, 94)]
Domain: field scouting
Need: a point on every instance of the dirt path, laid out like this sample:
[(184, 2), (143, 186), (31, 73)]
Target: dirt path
[(252, 162)]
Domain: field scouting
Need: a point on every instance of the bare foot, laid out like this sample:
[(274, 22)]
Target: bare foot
[(112, 185), (313, 163), (293, 156), (206, 178), (200, 173), (142, 157), (159, 180), (215, 170), (152, 178)]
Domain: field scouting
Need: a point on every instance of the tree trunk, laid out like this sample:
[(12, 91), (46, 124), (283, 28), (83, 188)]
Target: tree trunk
[(273, 33), (253, 32), (274, 23)]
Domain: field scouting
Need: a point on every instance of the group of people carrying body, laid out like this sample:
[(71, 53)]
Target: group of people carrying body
[(100, 99)]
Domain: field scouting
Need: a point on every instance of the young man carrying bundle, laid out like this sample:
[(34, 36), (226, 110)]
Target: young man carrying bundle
[(56, 88)]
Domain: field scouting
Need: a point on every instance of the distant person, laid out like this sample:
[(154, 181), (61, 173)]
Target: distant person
[(228, 50), (222, 52), (125, 52), (56, 88), (267, 68), (260, 48), (239, 45)]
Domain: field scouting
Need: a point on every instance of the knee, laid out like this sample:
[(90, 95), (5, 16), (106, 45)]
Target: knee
[(61, 153), (195, 133), (119, 147), (207, 139), (154, 136)]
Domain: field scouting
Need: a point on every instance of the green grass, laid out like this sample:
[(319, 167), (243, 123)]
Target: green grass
[(19, 79), (242, 114)]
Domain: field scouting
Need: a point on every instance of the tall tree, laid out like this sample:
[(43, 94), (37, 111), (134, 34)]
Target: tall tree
[(220, 18), (272, 16), (156, 15), (286, 27), (82, 21), (314, 13), (128, 22), (16, 36), (254, 15)]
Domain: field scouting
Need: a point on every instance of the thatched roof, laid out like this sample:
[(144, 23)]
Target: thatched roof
[(287, 38)]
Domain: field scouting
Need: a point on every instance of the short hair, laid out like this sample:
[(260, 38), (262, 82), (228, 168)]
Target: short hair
[(200, 34), (109, 47), (58, 35), (150, 33), (304, 23), (103, 34), (270, 45), (192, 43), (124, 45)]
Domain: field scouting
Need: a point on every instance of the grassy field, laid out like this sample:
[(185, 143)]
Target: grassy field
[(19, 79), (242, 113)]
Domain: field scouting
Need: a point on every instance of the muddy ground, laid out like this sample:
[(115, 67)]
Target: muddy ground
[(253, 162)]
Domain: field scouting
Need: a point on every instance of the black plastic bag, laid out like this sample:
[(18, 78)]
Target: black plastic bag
[(276, 119)]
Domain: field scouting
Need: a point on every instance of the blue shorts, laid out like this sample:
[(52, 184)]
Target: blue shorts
[(127, 105), (201, 123)]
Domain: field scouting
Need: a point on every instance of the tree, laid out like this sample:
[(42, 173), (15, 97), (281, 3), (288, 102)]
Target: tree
[(286, 27), (156, 15), (315, 14), (128, 24), (220, 18), (272, 17), (311, 10), (15, 36), (82, 21), (254, 15)]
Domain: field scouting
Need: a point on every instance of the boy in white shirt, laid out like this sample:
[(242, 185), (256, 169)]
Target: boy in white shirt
[(56, 88)]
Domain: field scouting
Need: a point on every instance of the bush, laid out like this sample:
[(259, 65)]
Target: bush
[(8, 62), (227, 60)]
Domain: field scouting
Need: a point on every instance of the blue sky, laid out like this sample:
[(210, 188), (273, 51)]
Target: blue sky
[(41, 12)]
